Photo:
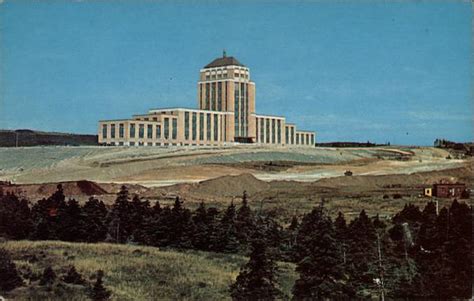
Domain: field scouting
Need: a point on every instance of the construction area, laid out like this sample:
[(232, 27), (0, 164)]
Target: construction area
[(286, 179)]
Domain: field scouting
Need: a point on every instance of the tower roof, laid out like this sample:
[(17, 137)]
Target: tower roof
[(224, 61)]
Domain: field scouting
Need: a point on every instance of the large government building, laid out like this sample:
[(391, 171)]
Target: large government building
[(225, 116)]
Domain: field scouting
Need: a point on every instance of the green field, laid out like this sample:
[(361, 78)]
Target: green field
[(132, 272)]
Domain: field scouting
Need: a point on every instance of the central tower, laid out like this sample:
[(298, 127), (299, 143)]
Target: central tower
[(224, 85)]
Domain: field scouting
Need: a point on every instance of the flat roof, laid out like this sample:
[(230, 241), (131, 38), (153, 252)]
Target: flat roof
[(187, 109), (273, 116)]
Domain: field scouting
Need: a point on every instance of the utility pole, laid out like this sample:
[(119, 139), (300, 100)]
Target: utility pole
[(382, 293)]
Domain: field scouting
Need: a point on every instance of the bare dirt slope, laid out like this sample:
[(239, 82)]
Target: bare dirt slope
[(151, 166)]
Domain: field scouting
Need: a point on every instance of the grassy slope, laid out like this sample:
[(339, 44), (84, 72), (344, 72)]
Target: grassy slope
[(134, 272)]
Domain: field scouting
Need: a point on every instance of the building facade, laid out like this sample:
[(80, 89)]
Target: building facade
[(225, 115)]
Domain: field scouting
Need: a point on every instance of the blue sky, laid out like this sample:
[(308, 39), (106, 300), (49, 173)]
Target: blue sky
[(378, 71)]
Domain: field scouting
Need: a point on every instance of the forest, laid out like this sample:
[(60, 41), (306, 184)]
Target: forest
[(418, 254)]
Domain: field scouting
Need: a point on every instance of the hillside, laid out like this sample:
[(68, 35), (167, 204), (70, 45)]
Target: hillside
[(132, 272), (12, 138)]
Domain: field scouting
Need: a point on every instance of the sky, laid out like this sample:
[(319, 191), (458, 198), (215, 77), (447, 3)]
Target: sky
[(398, 72)]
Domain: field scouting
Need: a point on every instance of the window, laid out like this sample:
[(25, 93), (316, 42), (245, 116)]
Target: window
[(267, 130), (219, 96), (208, 133), (208, 97), (186, 125), (262, 130), (175, 128), (112, 131), (132, 130), (236, 110), (297, 138), (141, 131), (158, 131), (312, 139), (213, 96), (121, 130), (216, 128), (273, 130), (149, 131), (132, 143), (279, 131), (104, 131), (167, 128), (307, 138), (194, 125), (256, 127), (201, 126), (200, 94), (287, 135), (292, 135)]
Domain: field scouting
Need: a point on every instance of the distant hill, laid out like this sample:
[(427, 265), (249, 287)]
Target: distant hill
[(349, 144), (8, 138)]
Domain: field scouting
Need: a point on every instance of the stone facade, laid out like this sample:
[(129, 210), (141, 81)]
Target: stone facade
[(225, 115)]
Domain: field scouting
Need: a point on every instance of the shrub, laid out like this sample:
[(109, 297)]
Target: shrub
[(73, 277), (48, 277), (9, 277), (98, 292)]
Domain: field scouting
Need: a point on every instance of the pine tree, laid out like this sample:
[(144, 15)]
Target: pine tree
[(120, 223), (15, 217), (98, 291), (73, 277), (140, 217), (256, 280), (362, 256), (48, 277), (201, 239), (72, 226), (320, 265), (46, 214), (340, 228), (9, 277), (244, 222), (95, 214), (227, 232)]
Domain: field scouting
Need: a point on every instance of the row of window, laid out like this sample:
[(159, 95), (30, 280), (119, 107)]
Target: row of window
[(210, 101), (225, 75), (304, 139), (141, 130), (264, 134)]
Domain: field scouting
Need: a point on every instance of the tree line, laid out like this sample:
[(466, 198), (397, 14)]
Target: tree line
[(417, 254)]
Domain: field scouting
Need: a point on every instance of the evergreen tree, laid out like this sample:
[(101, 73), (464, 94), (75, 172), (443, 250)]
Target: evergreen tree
[(227, 232), (320, 265), (244, 222), (120, 223), (46, 215), (256, 280), (15, 217), (201, 239), (340, 228), (9, 277), (72, 226), (140, 216), (182, 231), (95, 214), (98, 291), (362, 256), (73, 277), (48, 277)]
